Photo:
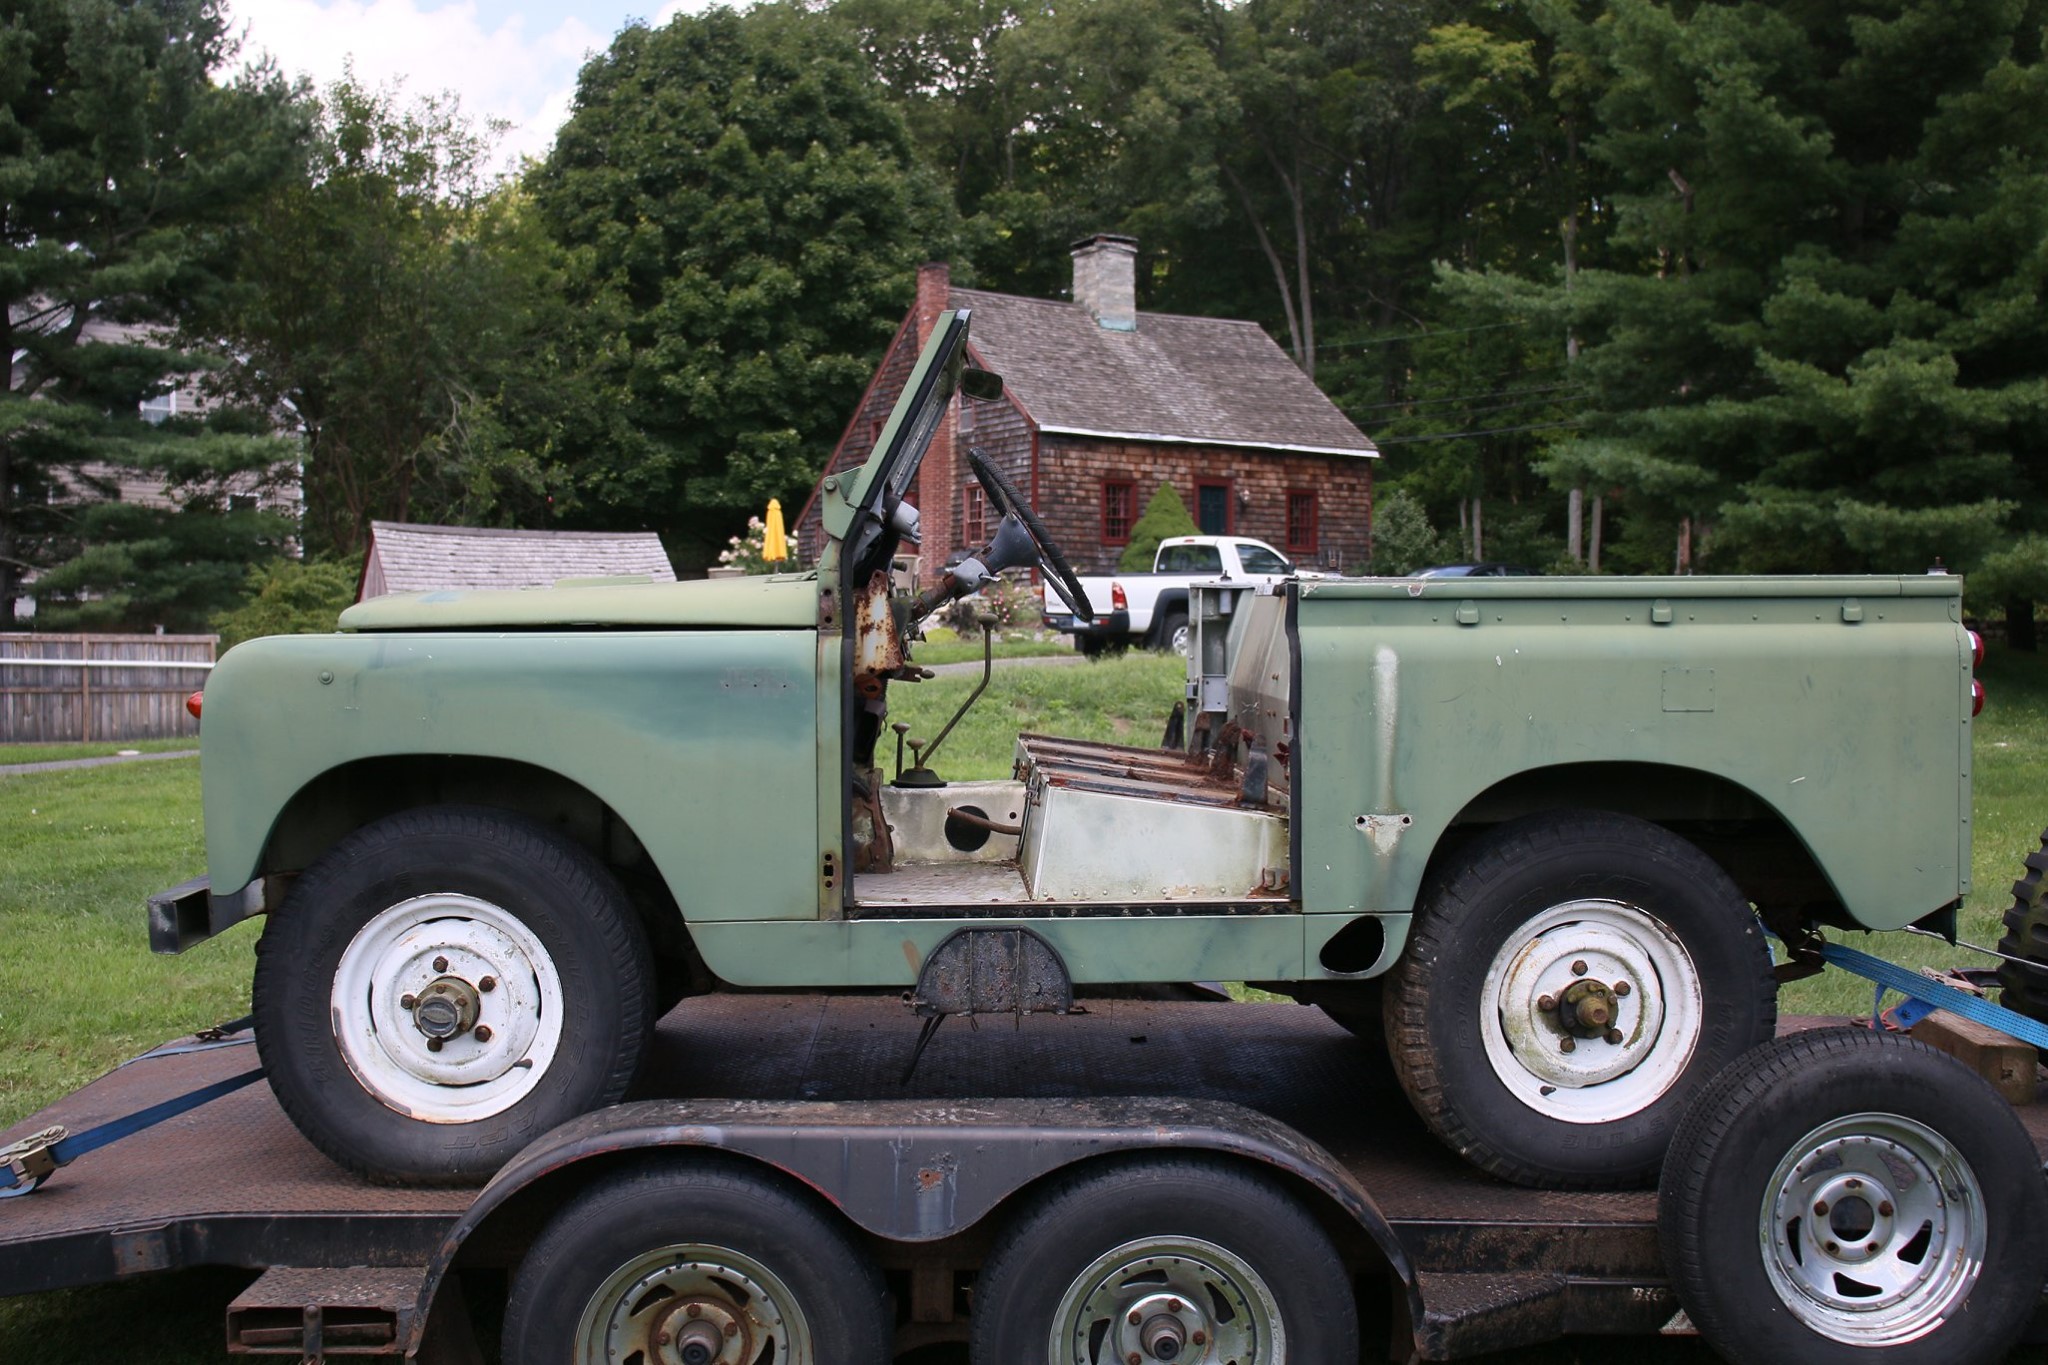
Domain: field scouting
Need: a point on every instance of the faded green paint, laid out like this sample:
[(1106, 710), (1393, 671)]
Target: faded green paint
[(767, 601), (1098, 949), (703, 742), (1851, 724)]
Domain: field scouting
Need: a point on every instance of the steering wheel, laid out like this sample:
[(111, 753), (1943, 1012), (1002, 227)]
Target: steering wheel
[(1002, 495)]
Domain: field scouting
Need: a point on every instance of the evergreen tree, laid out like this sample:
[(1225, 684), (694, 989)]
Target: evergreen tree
[(125, 167), (1164, 515)]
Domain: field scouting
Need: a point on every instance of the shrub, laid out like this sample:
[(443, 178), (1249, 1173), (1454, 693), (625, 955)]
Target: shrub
[(290, 597), (1165, 515)]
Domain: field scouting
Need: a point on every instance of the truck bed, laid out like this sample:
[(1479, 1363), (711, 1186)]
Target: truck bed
[(233, 1183)]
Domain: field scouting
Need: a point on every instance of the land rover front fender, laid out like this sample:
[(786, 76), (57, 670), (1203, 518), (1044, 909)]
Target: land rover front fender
[(704, 742)]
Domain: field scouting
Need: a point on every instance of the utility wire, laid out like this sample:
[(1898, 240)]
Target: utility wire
[(1463, 397), (1461, 435), (1418, 336)]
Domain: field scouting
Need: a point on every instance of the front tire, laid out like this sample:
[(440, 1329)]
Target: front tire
[(1213, 1262), (1567, 989), (445, 985), (1839, 1196), (696, 1262)]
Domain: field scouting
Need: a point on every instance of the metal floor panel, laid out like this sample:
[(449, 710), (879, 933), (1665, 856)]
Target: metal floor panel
[(234, 1183), (942, 884)]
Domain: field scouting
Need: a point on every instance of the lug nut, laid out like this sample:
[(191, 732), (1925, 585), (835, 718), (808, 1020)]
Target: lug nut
[(1200, 1338), (1136, 1317), (1874, 1248), (661, 1337), (1579, 968), (1134, 1359), (695, 1310), (483, 1033), (489, 983), (1566, 1045), (406, 1002), (1173, 1305), (1820, 1208), (1613, 1035), (1833, 1249), (1853, 1183), (1547, 1003), (1622, 988), (433, 1044), (440, 964), (1884, 1208)]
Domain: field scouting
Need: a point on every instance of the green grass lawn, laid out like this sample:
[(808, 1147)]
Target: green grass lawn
[(80, 991), (11, 754)]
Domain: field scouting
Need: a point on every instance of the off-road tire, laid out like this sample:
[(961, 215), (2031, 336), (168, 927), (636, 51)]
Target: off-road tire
[(562, 895), (1077, 1218), (1717, 1186), (704, 1201), (2022, 987), (1504, 880)]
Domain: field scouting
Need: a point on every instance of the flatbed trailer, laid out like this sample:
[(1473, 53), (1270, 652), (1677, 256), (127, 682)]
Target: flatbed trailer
[(1448, 1262)]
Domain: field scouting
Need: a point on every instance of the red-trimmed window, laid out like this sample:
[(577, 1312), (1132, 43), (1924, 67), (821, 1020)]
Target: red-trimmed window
[(1119, 510), (1301, 521), (974, 527)]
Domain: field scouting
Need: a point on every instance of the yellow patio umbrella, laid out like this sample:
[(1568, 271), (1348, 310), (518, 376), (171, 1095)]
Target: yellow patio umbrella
[(774, 541)]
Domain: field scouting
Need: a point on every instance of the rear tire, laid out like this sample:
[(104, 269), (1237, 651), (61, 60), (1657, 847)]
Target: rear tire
[(1186, 1245), (483, 931), (1840, 1196), (1173, 634), (627, 1260), (1655, 971)]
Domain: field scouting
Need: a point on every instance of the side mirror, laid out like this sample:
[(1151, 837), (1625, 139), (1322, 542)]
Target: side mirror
[(985, 385)]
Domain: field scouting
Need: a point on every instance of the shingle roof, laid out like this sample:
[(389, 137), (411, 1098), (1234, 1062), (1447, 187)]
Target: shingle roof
[(410, 558), (1209, 380)]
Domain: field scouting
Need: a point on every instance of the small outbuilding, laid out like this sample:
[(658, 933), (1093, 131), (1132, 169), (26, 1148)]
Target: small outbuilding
[(404, 557)]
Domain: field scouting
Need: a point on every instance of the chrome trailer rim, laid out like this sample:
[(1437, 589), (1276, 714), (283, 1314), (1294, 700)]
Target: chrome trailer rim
[(1591, 1011), (447, 1008), (693, 1304), (1177, 1299), (1873, 1229)]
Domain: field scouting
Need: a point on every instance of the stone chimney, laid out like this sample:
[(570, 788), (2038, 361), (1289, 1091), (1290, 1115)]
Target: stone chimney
[(1105, 280)]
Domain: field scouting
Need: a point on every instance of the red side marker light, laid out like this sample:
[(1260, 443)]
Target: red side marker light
[(1976, 696), (192, 703)]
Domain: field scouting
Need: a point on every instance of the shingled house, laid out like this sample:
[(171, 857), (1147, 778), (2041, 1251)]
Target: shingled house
[(404, 557), (1103, 403)]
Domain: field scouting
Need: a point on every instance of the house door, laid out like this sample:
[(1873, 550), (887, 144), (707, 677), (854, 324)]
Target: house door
[(1212, 508)]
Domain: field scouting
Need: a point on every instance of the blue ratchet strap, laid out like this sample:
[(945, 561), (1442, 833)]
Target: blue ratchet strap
[(1933, 995), (28, 1163)]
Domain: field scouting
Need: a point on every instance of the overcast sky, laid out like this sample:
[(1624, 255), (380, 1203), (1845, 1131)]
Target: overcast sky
[(510, 59)]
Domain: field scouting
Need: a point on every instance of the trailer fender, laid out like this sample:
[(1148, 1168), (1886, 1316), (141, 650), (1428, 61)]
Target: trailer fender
[(920, 1170)]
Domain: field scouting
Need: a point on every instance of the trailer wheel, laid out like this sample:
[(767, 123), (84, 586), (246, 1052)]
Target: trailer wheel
[(703, 1262), (1566, 990), (1166, 1259), (445, 985), (1839, 1195)]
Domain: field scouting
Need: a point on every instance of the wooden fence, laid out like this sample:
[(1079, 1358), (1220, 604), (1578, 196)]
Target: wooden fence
[(55, 688)]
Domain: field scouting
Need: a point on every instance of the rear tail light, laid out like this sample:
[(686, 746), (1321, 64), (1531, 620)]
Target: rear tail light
[(1976, 649), (1976, 696), (1118, 600), (192, 703)]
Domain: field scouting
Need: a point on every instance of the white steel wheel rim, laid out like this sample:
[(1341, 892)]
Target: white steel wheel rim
[(1205, 1298), (1659, 1017), (394, 957), (693, 1304), (1921, 1218)]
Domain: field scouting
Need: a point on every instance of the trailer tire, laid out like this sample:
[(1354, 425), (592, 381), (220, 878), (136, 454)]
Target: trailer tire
[(1921, 1157), (1654, 968), (633, 1254), (530, 955), (1247, 1264)]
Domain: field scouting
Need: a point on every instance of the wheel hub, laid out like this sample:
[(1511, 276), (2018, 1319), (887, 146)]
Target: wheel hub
[(1163, 1329), (447, 1008), (1185, 1301), (702, 1331), (1590, 1011), (694, 1305)]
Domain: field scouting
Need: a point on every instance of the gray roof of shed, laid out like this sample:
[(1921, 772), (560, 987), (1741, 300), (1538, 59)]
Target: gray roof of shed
[(417, 558), (1199, 380)]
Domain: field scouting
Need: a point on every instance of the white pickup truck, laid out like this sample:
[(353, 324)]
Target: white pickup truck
[(1152, 608)]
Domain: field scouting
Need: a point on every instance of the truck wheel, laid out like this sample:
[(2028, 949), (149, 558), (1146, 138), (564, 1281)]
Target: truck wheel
[(1163, 1259), (1841, 1195), (1566, 990), (444, 986), (2024, 985), (702, 1262), (1173, 633)]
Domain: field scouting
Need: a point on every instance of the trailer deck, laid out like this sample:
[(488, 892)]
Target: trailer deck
[(233, 1183)]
